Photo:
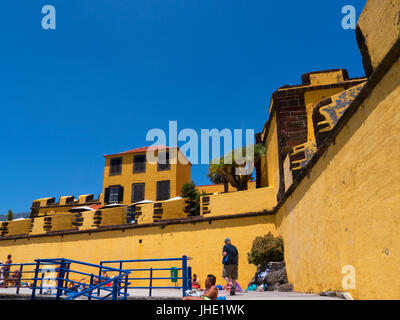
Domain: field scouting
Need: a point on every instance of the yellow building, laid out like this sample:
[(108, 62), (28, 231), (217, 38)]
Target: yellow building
[(131, 177), (329, 185)]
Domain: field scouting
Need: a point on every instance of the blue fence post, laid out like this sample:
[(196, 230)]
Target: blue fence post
[(35, 280), (91, 285), (100, 269), (184, 274), (119, 283), (115, 289), (151, 281), (41, 284), (190, 278), (21, 268), (126, 286), (60, 280)]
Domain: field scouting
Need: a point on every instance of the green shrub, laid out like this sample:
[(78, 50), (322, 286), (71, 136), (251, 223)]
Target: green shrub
[(265, 249), (190, 192)]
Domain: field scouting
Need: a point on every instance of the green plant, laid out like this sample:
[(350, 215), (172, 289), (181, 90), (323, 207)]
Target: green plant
[(265, 249), (226, 168), (217, 178), (10, 216), (193, 195)]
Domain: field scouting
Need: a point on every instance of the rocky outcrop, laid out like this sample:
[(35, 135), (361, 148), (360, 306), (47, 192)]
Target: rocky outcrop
[(273, 277)]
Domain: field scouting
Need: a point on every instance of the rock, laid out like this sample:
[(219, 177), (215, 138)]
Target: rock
[(328, 294), (287, 287), (275, 266), (276, 277), (275, 287)]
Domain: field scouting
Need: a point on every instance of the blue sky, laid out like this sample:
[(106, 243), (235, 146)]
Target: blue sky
[(114, 69)]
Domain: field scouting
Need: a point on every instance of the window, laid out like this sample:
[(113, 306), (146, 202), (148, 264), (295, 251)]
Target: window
[(115, 166), (163, 161), (163, 190), (139, 163), (114, 194), (137, 192)]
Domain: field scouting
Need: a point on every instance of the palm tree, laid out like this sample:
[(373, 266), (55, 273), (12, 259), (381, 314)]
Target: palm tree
[(217, 178), (237, 173)]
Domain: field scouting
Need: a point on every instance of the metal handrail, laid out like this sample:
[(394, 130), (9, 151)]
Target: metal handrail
[(185, 270), (63, 270)]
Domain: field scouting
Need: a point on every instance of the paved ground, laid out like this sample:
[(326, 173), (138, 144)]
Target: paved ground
[(176, 294)]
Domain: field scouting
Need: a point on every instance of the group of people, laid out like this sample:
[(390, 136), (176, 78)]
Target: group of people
[(5, 278), (230, 261)]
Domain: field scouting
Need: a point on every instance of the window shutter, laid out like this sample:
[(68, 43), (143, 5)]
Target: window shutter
[(138, 192), (139, 163), (121, 195), (107, 195), (115, 166), (167, 190), (163, 190), (163, 161)]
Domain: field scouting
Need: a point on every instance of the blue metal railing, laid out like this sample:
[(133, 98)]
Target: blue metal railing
[(186, 273), (59, 272), (17, 273)]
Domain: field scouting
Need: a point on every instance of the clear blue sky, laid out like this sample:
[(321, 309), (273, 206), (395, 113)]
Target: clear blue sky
[(114, 69)]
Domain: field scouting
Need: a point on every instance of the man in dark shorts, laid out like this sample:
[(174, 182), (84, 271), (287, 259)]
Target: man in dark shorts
[(230, 261)]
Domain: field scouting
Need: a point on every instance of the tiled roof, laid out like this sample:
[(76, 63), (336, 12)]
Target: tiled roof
[(145, 149), (95, 206), (139, 150)]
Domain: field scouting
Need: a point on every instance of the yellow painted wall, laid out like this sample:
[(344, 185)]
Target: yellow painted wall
[(18, 227), (380, 25), (147, 212), (64, 209), (88, 222), (241, 202), (183, 174), (311, 98), (219, 188), (114, 216), (37, 225), (62, 222), (178, 174), (201, 241), (347, 211), (322, 78), (173, 209), (271, 163)]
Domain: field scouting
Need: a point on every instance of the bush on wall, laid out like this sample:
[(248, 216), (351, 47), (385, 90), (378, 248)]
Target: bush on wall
[(265, 249)]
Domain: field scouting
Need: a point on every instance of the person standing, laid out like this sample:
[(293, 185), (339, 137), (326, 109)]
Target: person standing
[(230, 260), (1, 270), (6, 270)]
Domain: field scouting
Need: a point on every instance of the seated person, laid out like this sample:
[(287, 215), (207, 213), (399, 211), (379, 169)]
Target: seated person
[(14, 278), (211, 292), (195, 282), (73, 286), (104, 277)]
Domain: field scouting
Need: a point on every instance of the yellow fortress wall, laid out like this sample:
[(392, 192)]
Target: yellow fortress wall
[(347, 211), (202, 241), (342, 209), (238, 202), (377, 30)]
